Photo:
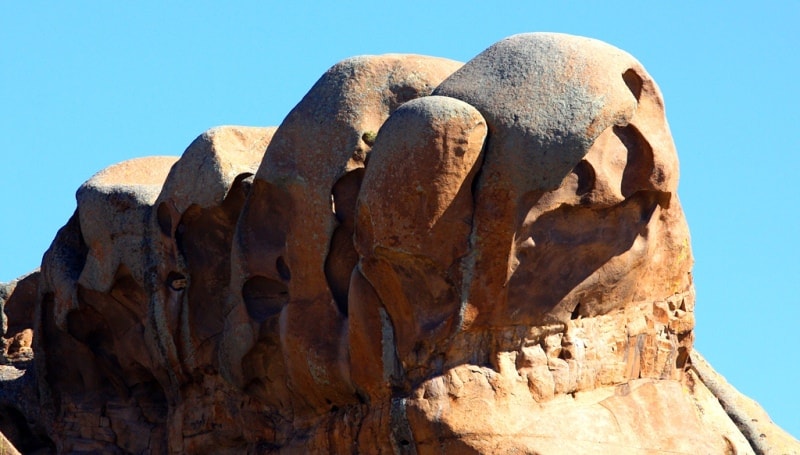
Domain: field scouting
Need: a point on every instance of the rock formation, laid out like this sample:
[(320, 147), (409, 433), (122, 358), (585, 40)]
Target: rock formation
[(424, 257)]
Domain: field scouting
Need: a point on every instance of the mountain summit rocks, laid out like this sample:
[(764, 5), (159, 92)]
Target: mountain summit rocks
[(424, 257)]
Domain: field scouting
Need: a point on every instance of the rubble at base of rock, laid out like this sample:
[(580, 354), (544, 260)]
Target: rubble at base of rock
[(424, 257)]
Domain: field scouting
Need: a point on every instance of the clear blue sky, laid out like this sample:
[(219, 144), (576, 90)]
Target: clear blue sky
[(87, 84)]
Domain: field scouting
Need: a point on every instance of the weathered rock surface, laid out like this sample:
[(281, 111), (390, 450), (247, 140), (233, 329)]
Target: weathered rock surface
[(424, 257)]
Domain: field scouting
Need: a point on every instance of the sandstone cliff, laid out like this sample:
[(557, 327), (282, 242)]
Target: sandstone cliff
[(424, 257)]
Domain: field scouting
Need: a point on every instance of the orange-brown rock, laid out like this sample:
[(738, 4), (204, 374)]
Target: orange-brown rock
[(424, 257), (293, 251), (413, 243)]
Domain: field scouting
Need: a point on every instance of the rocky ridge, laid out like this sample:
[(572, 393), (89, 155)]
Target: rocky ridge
[(424, 257)]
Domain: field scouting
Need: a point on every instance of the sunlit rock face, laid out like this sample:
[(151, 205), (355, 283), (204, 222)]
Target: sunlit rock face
[(424, 257)]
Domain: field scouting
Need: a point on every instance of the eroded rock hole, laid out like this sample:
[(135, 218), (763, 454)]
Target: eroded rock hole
[(344, 196), (164, 218), (369, 138), (264, 297), (682, 359), (190, 217), (73, 249), (576, 313), (89, 327), (403, 94), (634, 82), (283, 269), (647, 202), (176, 281), (641, 163), (180, 235), (342, 256), (239, 190), (586, 177)]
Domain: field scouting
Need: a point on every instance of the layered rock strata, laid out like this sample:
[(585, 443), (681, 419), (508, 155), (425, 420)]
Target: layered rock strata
[(424, 257)]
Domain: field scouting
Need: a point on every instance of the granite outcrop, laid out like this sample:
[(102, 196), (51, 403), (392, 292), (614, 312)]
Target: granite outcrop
[(424, 257)]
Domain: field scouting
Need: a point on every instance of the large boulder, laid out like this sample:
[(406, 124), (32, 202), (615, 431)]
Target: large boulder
[(293, 251), (424, 257)]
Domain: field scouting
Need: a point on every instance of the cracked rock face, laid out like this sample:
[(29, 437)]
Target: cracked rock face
[(424, 257)]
